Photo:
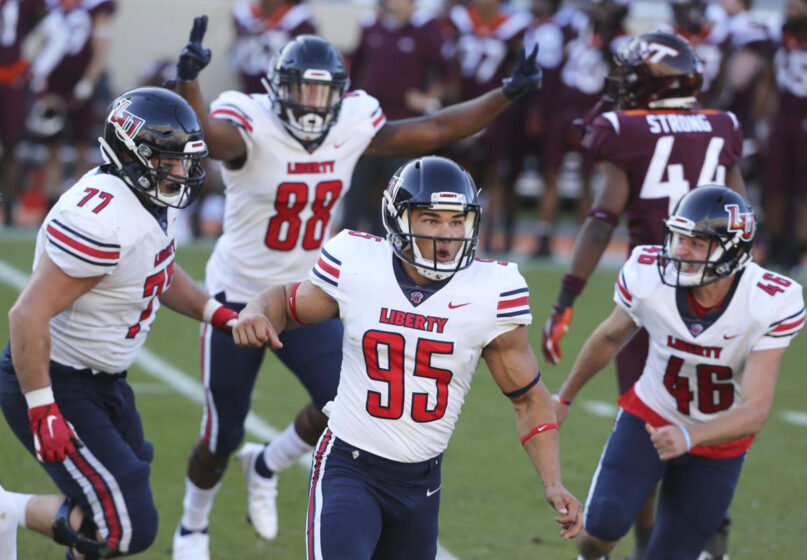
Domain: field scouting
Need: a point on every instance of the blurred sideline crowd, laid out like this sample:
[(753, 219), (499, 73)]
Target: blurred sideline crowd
[(532, 162)]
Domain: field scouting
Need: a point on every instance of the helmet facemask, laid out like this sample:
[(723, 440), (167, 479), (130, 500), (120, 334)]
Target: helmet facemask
[(724, 256), (308, 104), (398, 223)]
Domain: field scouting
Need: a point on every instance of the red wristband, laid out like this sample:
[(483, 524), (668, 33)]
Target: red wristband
[(540, 428), (293, 305)]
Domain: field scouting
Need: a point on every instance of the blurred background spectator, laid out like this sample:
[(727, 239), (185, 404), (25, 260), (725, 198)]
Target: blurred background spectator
[(415, 56)]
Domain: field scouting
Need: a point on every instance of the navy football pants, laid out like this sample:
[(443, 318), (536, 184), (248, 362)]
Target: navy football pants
[(109, 476), (362, 507), (313, 354), (695, 492)]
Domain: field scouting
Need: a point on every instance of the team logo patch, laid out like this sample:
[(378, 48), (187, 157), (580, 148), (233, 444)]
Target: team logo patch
[(416, 297), (743, 223), (129, 123), (655, 52), (696, 329)]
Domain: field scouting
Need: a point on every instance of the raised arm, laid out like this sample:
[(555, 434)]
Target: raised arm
[(513, 365), (589, 246), (597, 352), (281, 308), (747, 418), (426, 134), (224, 142)]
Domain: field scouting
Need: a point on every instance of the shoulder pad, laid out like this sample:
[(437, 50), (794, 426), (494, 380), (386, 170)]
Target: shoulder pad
[(775, 300), (237, 108), (639, 275), (358, 107)]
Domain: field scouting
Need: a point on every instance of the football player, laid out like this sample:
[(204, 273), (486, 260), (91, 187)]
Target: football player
[(719, 325), (651, 153), (104, 263), (288, 158), (418, 311)]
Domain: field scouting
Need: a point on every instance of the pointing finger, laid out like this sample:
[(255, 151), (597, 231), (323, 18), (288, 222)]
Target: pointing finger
[(199, 29)]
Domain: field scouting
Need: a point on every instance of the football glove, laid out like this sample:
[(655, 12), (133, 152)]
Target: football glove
[(193, 57), (554, 331), (54, 437), (526, 77)]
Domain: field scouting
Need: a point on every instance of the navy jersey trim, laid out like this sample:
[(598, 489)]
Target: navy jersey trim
[(88, 261), (328, 280), (84, 237), (514, 292)]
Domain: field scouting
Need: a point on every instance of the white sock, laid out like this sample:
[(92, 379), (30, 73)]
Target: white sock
[(284, 450), (20, 504), (197, 505), (8, 525)]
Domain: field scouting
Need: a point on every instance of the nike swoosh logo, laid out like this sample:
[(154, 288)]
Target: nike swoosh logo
[(337, 146), (542, 428), (51, 419), (452, 306), (431, 492), (730, 337)]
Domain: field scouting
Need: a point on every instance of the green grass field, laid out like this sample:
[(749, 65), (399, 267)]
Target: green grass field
[(492, 503)]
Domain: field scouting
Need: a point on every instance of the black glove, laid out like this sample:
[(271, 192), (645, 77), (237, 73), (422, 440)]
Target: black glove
[(526, 77), (193, 57)]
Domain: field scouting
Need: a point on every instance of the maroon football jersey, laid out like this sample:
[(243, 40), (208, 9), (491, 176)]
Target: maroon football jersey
[(485, 49), (664, 154), (17, 19), (77, 52), (392, 59), (259, 36)]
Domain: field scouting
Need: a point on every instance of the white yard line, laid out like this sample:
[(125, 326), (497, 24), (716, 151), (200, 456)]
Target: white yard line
[(185, 384)]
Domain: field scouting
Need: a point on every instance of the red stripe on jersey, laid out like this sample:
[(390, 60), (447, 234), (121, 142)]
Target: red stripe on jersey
[(333, 271), (78, 246), (788, 326), (625, 293), (101, 490), (378, 120), (514, 303), (238, 116)]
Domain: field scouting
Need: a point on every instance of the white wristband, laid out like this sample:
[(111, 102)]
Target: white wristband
[(211, 307), (40, 397), (686, 436)]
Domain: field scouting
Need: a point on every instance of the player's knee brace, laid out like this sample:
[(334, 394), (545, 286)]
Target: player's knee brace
[(607, 519), (83, 540)]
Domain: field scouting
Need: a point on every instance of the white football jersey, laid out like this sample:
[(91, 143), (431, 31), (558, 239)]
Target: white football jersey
[(695, 364), (279, 204), (100, 228), (408, 358)]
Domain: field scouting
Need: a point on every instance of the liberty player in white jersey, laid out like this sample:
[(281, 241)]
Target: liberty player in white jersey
[(288, 159), (104, 262), (418, 312), (718, 326)]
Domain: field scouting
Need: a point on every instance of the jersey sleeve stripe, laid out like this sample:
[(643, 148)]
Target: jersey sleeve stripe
[(236, 118), (518, 302), (321, 276), (514, 292), (331, 257), (56, 235), (79, 257), (74, 233), (788, 326), (623, 290), (325, 267), (789, 317), (513, 313), (379, 120)]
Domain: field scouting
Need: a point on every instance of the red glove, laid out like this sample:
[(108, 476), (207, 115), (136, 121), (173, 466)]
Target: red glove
[(54, 437), (220, 316), (554, 331)]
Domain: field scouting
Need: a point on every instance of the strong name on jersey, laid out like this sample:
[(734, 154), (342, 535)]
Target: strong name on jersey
[(695, 365), (407, 366), (665, 154), (279, 204), (100, 228)]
